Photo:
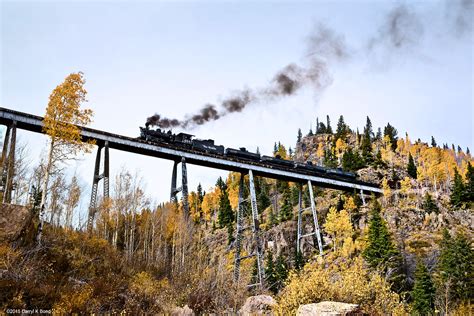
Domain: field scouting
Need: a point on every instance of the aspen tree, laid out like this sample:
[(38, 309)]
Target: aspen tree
[(61, 123)]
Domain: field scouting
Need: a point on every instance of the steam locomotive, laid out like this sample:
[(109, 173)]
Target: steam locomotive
[(207, 145)]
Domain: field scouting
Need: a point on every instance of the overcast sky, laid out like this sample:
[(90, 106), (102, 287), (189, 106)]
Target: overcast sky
[(411, 65)]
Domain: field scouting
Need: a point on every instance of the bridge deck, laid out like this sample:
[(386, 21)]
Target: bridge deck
[(34, 123)]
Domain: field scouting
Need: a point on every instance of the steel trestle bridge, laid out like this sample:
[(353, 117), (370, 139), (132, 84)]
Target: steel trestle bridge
[(105, 140)]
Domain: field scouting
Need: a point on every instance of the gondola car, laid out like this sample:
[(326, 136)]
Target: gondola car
[(242, 153), (207, 145), (278, 161), (308, 166), (340, 173)]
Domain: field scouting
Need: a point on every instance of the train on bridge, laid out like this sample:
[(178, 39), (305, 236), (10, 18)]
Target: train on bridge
[(187, 141)]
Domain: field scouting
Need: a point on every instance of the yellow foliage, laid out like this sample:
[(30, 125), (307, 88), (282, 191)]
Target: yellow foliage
[(387, 192), (338, 226), (405, 186), (73, 302), (340, 280), (349, 204), (63, 113)]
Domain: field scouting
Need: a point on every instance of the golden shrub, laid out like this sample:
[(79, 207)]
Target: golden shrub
[(343, 280)]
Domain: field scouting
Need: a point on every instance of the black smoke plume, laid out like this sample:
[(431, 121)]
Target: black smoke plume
[(324, 45)]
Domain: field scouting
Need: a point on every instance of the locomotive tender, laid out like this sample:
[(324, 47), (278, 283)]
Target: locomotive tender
[(207, 145)]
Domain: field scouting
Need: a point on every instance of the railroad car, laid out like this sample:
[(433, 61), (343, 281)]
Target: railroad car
[(340, 173), (207, 145), (278, 161), (242, 153)]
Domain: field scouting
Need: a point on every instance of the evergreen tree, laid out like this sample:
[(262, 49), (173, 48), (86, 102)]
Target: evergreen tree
[(378, 137), (230, 233), (467, 151), (328, 125), (366, 145), (310, 133), (456, 265), (275, 149), (469, 188), (411, 168), (281, 271), (433, 142), (322, 128), (428, 204), (300, 136), (351, 160), (380, 248), (457, 191), (317, 127), (423, 293), (221, 184), (286, 211), (391, 132), (270, 275), (459, 149), (299, 260), (225, 217), (341, 131), (330, 159), (200, 193), (378, 162)]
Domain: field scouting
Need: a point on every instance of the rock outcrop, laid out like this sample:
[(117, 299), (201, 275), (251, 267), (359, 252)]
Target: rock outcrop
[(13, 220), (182, 311), (258, 305), (328, 309)]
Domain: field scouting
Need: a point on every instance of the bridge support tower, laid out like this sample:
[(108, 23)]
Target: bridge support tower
[(257, 244), (7, 163), (95, 182), (316, 232), (184, 185)]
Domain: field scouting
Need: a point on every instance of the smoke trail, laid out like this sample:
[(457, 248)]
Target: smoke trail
[(402, 28), (324, 45)]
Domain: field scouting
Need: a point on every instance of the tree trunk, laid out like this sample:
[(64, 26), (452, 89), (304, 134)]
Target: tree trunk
[(44, 190)]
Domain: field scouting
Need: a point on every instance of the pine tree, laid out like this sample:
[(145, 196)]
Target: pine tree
[(270, 275), (281, 271), (310, 133), (225, 217), (330, 159), (469, 188), (411, 168), (317, 131), (380, 248), (328, 125), (286, 211), (378, 137), (200, 193), (423, 293), (299, 260), (433, 142), (456, 265), (300, 136), (391, 132), (366, 145), (457, 191), (428, 204), (275, 149), (341, 131), (468, 152)]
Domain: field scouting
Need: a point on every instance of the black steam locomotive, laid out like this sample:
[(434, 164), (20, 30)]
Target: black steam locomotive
[(181, 139), (207, 145)]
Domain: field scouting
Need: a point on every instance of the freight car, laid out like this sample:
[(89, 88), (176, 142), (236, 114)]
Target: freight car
[(242, 153), (208, 146), (278, 161), (340, 173)]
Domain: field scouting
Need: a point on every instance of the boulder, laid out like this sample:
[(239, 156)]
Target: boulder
[(182, 311), (13, 220), (258, 305), (328, 309)]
